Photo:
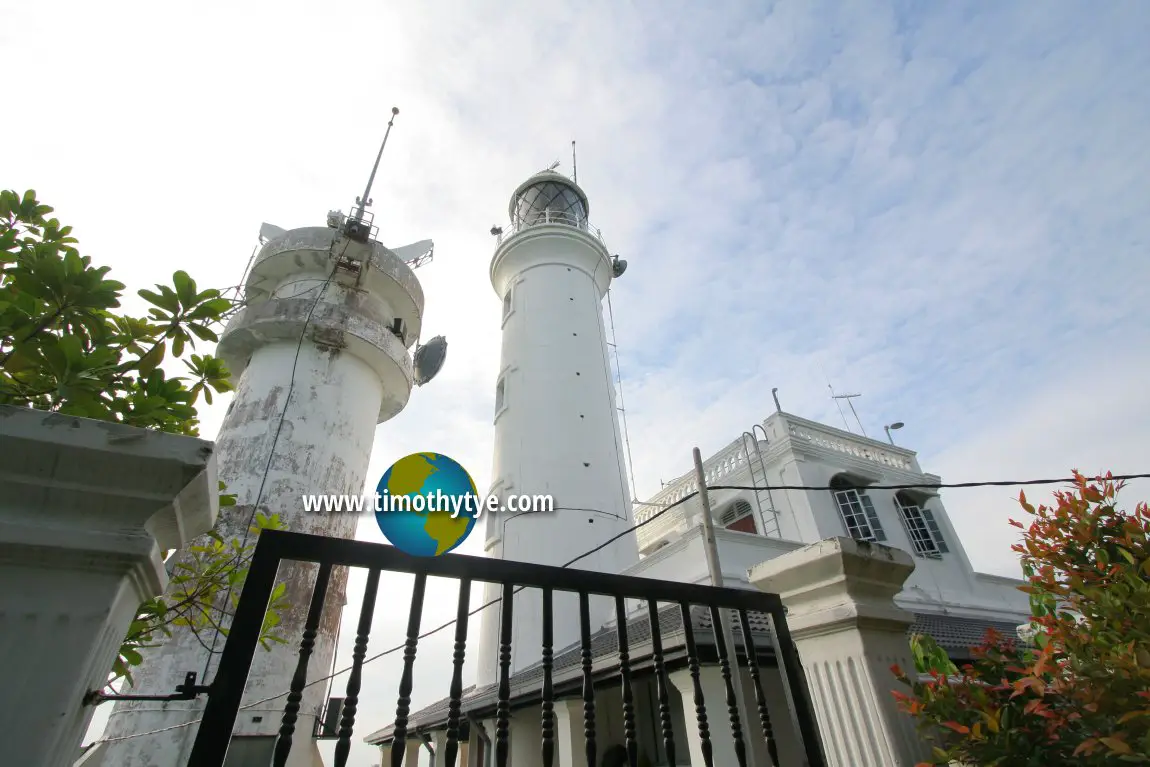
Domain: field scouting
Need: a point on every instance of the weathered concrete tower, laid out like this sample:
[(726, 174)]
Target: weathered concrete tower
[(320, 354), (556, 425)]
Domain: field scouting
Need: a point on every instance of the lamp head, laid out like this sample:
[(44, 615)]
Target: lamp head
[(896, 425)]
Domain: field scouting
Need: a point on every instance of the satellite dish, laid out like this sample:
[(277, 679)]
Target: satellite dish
[(618, 266), (270, 232), (416, 254), (429, 359)]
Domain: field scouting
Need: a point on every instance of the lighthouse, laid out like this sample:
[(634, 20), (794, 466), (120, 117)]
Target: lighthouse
[(321, 352), (556, 423)]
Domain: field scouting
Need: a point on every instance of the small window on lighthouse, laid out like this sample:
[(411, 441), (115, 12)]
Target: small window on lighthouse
[(500, 397), (507, 303)]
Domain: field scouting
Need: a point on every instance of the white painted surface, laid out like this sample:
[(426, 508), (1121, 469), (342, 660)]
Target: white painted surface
[(570, 744), (718, 721), (558, 430), (85, 509), (349, 373), (839, 594)]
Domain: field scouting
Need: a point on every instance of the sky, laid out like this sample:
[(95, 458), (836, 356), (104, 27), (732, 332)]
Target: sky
[(942, 207)]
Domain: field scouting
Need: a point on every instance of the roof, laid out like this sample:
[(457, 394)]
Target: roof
[(953, 633)]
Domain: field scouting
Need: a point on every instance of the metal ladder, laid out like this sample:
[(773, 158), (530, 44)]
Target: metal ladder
[(757, 468)]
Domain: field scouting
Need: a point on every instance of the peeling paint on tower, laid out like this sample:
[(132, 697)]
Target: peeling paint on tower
[(317, 364)]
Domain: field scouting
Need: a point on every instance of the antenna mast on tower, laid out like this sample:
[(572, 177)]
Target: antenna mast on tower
[(357, 227), (849, 398), (574, 167)]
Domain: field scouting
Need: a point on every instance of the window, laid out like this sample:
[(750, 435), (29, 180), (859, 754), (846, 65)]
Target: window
[(738, 516), (921, 527), (857, 511), (494, 527), (507, 304), (500, 396)]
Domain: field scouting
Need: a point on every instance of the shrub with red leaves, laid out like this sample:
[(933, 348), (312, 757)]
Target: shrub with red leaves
[(1081, 694)]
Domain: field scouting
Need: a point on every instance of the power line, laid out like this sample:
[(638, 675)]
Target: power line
[(920, 486), (609, 541)]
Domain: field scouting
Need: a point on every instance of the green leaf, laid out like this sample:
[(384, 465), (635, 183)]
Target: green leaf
[(150, 361), (203, 333), (185, 289), (165, 299)]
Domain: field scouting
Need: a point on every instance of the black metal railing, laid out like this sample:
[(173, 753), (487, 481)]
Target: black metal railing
[(274, 547)]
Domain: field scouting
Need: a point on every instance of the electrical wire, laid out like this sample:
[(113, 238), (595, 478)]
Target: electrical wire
[(940, 485), (608, 542)]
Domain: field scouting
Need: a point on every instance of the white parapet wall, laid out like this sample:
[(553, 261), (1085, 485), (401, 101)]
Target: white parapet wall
[(86, 510)]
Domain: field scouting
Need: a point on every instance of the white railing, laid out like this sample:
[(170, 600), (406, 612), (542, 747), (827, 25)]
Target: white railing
[(730, 460), (660, 527), (854, 448), (546, 217), (726, 462)]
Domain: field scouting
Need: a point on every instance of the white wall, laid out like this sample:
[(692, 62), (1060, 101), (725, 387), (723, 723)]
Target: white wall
[(557, 433)]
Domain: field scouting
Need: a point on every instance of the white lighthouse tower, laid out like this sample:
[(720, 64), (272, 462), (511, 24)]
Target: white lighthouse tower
[(556, 424), (320, 354)]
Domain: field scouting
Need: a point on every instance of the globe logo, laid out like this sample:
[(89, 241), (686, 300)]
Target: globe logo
[(428, 504)]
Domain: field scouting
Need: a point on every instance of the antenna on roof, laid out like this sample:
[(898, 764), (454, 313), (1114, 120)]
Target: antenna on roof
[(356, 227), (849, 398), (574, 167)]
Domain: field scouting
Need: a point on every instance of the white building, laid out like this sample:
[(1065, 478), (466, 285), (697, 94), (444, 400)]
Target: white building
[(551, 272), (320, 356), (792, 451)]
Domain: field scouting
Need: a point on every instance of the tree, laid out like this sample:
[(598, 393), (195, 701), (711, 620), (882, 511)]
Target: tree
[(64, 348), (1079, 694)]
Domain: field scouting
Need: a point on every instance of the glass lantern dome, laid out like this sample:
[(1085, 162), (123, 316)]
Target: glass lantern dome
[(549, 199)]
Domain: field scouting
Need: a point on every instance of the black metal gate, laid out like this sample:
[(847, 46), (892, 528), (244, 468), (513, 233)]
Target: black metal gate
[(226, 690)]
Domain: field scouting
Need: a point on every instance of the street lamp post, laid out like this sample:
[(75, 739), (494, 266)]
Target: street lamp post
[(895, 425)]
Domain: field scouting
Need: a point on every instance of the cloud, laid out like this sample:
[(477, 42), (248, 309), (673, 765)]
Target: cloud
[(941, 207)]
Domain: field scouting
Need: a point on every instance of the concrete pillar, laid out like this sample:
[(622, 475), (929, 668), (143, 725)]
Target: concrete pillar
[(839, 594), (439, 745), (570, 743), (718, 720), (526, 737), (411, 751), (86, 508)]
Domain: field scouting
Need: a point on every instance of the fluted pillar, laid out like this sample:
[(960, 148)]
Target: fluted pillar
[(839, 594)]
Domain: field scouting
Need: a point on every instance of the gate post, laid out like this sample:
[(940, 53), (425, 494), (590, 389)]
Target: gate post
[(839, 594), (86, 509)]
